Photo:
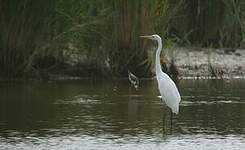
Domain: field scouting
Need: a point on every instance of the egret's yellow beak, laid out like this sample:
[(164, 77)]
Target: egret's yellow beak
[(146, 36)]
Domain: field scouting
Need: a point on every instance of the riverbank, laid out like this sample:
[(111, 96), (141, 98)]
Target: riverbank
[(209, 63), (191, 63)]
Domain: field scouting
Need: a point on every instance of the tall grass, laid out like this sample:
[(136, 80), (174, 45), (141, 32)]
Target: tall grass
[(130, 20), (232, 31), (102, 36), (83, 27), (23, 29), (211, 22)]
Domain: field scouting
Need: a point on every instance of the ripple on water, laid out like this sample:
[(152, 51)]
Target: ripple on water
[(122, 120), (80, 99), (190, 103), (173, 142)]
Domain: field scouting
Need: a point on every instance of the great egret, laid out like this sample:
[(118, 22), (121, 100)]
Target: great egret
[(166, 85), (133, 80)]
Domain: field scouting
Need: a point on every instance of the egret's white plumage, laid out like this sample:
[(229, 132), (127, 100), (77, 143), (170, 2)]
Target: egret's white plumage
[(166, 85)]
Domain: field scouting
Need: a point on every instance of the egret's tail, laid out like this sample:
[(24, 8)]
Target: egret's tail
[(176, 111)]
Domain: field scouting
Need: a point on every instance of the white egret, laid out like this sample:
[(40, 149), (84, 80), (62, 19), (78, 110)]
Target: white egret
[(133, 80), (166, 85)]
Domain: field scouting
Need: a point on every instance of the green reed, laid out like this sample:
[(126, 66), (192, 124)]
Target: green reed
[(101, 37)]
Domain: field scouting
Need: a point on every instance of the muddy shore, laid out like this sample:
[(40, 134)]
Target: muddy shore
[(208, 63)]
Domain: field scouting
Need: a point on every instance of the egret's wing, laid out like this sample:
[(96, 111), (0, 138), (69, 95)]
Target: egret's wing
[(169, 92)]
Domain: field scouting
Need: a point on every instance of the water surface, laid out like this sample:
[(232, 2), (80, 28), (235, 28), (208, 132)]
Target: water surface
[(89, 114)]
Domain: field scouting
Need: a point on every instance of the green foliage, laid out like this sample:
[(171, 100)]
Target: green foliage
[(233, 24), (23, 29), (103, 35), (216, 22)]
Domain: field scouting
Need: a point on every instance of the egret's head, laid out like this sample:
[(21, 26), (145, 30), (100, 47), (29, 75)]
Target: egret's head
[(152, 37)]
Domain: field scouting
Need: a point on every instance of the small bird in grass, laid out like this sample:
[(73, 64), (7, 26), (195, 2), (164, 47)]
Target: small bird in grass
[(133, 80)]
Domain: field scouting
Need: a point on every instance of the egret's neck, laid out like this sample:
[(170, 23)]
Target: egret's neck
[(158, 53)]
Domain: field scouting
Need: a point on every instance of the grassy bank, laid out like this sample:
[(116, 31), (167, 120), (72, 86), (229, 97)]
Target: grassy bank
[(101, 37)]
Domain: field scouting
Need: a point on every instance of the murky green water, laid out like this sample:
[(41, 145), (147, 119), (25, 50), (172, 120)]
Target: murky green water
[(110, 115)]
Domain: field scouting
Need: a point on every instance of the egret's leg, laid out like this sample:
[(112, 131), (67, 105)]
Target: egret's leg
[(164, 122), (171, 122)]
